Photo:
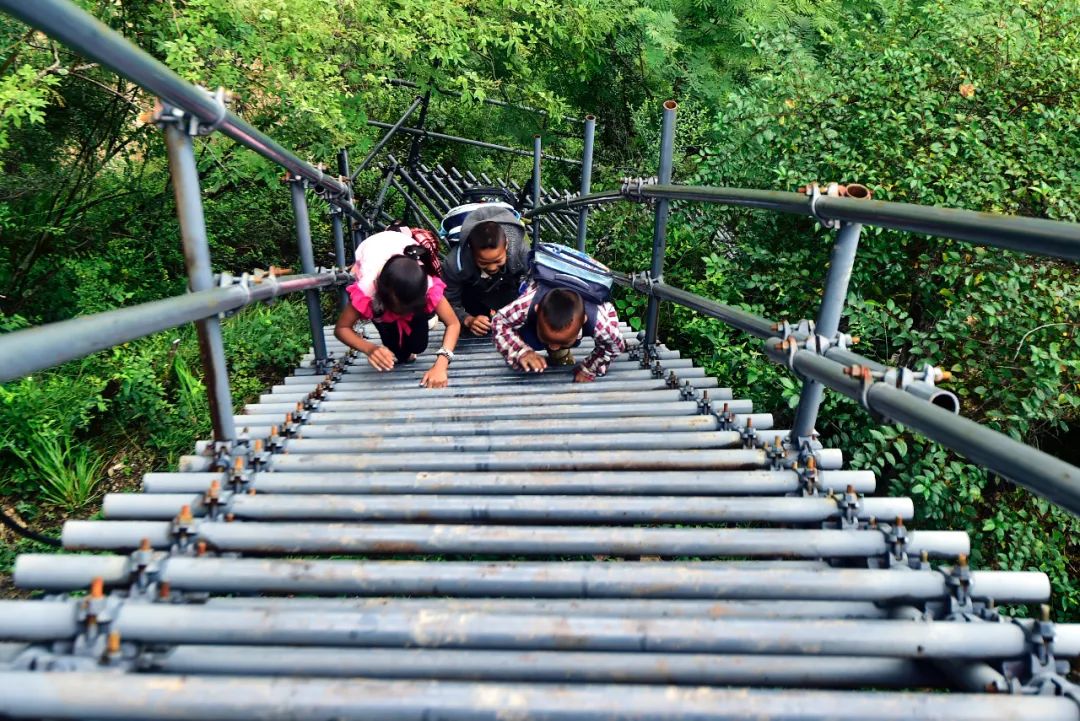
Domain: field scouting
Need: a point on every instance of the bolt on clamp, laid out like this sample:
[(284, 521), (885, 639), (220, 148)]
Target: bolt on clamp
[(849, 505), (749, 434), (1040, 673), (725, 418), (704, 405), (632, 187), (166, 114), (183, 531), (809, 480), (958, 581), (776, 453), (896, 540), (95, 614), (687, 392)]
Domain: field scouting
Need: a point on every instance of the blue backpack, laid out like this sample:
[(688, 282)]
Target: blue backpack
[(554, 266)]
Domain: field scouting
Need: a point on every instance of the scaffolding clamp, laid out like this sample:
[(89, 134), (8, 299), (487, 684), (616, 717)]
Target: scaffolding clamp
[(222, 453), (775, 453), (725, 417), (632, 188), (165, 114), (809, 479), (260, 455), (849, 505), (212, 500), (813, 191), (144, 567), (896, 540), (183, 530), (958, 581), (239, 475), (748, 434), (687, 392), (95, 614), (1040, 673)]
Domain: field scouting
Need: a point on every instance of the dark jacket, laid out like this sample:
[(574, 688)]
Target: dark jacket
[(466, 290)]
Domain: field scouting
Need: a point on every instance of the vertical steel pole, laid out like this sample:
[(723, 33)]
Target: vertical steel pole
[(586, 178), (343, 171), (414, 149), (307, 264), (536, 188), (339, 248), (667, 155), (841, 262), (189, 210)]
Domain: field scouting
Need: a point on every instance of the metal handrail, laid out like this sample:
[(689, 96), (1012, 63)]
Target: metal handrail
[(27, 351), (1021, 464), (1037, 236)]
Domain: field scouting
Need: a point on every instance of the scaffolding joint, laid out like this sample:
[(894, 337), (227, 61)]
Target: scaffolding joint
[(833, 190), (896, 541), (850, 506), (95, 614), (958, 581), (809, 478), (1039, 673), (725, 418), (167, 114), (632, 188), (183, 531)]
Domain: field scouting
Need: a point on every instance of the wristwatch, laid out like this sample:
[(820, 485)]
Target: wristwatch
[(449, 355)]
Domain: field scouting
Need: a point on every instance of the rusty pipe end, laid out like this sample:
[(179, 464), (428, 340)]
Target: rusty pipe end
[(670, 105), (858, 191)]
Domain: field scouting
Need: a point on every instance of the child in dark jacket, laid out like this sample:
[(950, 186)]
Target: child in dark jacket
[(555, 320), (397, 286), (485, 271)]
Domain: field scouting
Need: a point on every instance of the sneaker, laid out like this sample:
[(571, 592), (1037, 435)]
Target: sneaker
[(561, 357)]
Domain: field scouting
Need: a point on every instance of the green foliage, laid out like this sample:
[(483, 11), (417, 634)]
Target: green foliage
[(964, 105), (69, 473), (142, 396)]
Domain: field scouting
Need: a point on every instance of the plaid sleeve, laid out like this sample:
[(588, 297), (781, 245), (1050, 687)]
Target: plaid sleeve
[(504, 327), (608, 339)]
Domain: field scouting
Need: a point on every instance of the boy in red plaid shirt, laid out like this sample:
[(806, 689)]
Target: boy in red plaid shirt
[(555, 320)]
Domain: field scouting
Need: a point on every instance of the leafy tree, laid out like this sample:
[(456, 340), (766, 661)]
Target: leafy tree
[(965, 104)]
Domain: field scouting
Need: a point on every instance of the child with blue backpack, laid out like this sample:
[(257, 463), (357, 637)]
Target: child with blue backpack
[(567, 299)]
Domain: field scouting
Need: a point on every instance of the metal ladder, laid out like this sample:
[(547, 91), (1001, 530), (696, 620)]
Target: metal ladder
[(518, 546)]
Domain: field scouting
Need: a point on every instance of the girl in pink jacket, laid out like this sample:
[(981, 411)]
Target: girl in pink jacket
[(398, 288)]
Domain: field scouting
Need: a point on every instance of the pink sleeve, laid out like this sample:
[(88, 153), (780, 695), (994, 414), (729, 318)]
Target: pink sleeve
[(360, 300), (435, 292)]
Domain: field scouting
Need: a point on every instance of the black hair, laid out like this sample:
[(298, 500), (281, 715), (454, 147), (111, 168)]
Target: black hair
[(487, 236), (561, 307), (403, 282)]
